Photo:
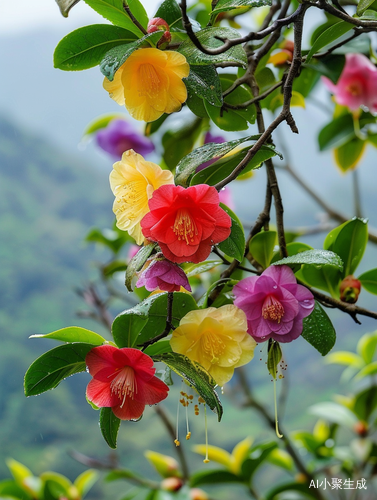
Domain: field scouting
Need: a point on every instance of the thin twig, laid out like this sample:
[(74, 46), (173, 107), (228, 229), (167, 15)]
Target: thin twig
[(126, 7)]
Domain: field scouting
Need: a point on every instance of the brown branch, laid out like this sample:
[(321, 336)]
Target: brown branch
[(252, 101), (322, 4), (133, 18)]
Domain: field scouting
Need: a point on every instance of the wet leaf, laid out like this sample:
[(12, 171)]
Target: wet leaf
[(234, 245), (319, 331), (137, 262), (73, 334), (109, 425), (317, 258)]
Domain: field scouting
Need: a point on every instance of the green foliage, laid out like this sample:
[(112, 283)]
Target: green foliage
[(225, 5), (273, 358), (234, 245), (330, 35), (73, 334), (319, 331), (170, 12), (113, 11), (316, 258), (137, 262), (262, 246), (109, 425), (204, 82)]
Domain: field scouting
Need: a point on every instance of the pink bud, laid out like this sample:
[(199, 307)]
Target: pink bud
[(157, 24), (198, 494), (350, 289), (171, 484)]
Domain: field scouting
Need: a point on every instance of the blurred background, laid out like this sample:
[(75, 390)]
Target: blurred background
[(54, 188)]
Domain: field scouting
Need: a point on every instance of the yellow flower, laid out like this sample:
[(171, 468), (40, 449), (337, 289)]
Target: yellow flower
[(215, 338), (133, 181), (150, 83), (232, 461)]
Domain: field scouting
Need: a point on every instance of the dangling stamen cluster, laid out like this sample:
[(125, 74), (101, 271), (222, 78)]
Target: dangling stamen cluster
[(124, 384), (184, 227), (272, 309), (185, 401)]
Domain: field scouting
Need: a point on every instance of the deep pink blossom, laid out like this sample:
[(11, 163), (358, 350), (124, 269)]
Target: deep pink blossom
[(274, 304), (123, 380), (357, 85), (120, 136), (164, 275)]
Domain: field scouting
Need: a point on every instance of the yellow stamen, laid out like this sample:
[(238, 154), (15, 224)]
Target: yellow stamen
[(272, 309), (212, 345), (184, 227)]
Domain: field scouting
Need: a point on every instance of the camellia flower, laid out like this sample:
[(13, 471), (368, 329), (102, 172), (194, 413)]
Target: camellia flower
[(274, 303), (150, 83), (133, 181), (123, 380), (186, 222), (119, 136), (357, 85), (164, 275), (215, 338)]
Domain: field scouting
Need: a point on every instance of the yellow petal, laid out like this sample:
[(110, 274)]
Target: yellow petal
[(240, 453), (214, 454)]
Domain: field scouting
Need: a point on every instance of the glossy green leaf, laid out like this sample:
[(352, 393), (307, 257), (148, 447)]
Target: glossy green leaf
[(369, 281), (56, 482), (109, 425), (316, 258), (204, 82), (225, 5), (118, 55), (262, 246), (362, 6), (348, 156), (54, 366), (203, 267), (234, 245), (293, 248), (369, 15), (325, 278), (306, 81), (85, 47), (339, 131), (349, 242), (85, 481), (367, 345), (196, 376), (179, 142), (170, 12), (153, 127), (214, 476), (137, 262), (294, 488), (187, 166), (73, 334), (128, 325), (196, 105), (113, 239), (222, 168), (281, 459), (366, 401), (367, 371), (208, 38), (319, 331), (18, 470), (113, 11), (335, 413), (274, 358), (258, 455), (345, 358), (330, 35), (160, 347), (10, 490)]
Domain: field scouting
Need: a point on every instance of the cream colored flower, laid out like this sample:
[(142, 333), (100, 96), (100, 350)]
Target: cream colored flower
[(215, 338), (133, 181), (150, 83)]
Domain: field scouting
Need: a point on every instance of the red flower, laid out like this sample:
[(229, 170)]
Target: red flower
[(186, 222), (123, 380)]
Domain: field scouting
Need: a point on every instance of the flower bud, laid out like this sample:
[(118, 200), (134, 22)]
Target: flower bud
[(361, 428), (157, 24), (288, 45), (165, 465), (171, 484), (164, 40), (198, 494), (350, 289)]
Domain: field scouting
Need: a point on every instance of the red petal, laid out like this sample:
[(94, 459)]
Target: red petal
[(99, 393), (101, 357), (140, 362), (130, 410), (152, 392)]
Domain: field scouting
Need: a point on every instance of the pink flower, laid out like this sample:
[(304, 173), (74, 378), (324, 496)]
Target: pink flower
[(357, 85), (164, 275), (225, 196), (123, 380), (274, 304)]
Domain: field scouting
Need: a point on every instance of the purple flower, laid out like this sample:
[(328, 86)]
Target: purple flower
[(164, 275), (218, 139), (274, 304), (120, 136)]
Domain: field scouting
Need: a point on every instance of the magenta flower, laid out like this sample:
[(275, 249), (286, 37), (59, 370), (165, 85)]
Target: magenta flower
[(225, 196), (274, 304), (120, 136), (357, 85), (164, 275)]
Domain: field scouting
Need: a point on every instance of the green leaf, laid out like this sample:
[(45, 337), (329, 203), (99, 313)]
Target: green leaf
[(262, 246), (369, 15), (196, 376), (54, 366), (10, 490), (118, 55), (113, 239), (18, 470), (179, 142), (113, 11), (208, 38), (234, 245), (187, 166), (217, 476), (66, 5), (349, 241), (85, 481), (339, 131), (137, 262), (274, 357), (128, 325), (293, 487), (366, 346), (85, 47), (362, 6), (369, 281), (73, 334), (348, 156), (258, 455), (225, 5), (366, 402), (367, 371), (316, 258), (194, 269), (109, 425), (319, 331), (281, 458), (222, 168), (325, 278), (204, 82), (345, 358), (330, 35), (170, 12), (335, 413), (160, 347), (101, 122)]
